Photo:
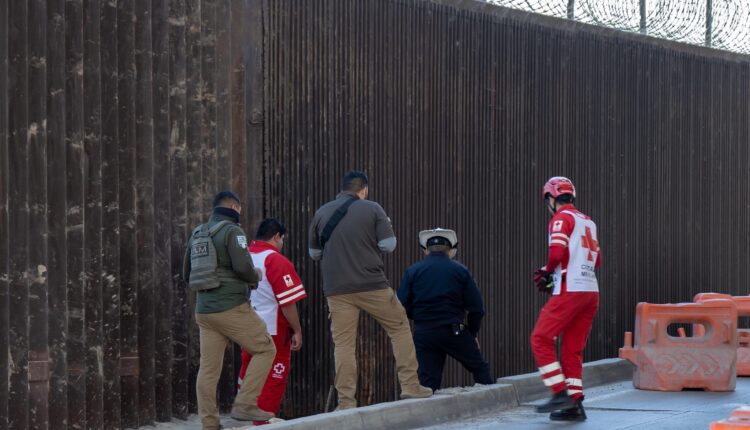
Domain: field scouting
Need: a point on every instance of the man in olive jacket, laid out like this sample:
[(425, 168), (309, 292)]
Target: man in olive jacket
[(223, 314)]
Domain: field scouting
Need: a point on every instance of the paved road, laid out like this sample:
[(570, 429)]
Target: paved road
[(620, 406)]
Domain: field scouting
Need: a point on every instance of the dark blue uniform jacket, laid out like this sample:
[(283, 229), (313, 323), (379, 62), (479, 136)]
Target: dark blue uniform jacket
[(438, 291)]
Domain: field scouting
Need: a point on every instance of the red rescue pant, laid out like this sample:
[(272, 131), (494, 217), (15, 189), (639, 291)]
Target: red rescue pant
[(273, 389), (570, 315)]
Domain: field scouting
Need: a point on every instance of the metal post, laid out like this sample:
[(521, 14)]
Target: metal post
[(643, 16), (709, 21), (571, 9)]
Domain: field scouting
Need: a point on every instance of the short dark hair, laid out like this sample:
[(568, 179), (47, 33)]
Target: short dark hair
[(268, 229), (224, 197), (434, 249), (565, 198), (354, 181)]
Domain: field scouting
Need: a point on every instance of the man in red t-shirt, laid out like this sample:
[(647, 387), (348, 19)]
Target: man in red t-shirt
[(279, 289), (569, 276)]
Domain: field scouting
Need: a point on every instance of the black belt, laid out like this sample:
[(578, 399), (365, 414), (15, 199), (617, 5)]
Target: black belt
[(431, 325)]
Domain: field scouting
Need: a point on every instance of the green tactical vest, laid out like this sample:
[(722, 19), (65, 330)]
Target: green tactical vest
[(232, 290), (204, 263)]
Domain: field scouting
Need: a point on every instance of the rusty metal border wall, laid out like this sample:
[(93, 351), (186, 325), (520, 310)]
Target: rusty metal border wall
[(118, 122), (119, 119), (459, 111)]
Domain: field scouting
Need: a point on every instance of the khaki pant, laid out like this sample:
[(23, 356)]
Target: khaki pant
[(387, 310), (242, 325)]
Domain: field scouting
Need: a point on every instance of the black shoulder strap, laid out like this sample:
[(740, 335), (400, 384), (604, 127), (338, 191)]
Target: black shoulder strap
[(334, 221)]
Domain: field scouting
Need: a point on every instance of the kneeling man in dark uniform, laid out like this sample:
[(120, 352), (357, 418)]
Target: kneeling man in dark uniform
[(440, 295)]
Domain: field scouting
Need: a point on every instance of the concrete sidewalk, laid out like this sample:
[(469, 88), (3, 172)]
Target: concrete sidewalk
[(445, 406)]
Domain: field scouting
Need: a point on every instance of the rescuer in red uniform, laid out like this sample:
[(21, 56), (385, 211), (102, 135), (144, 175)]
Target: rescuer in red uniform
[(275, 302), (569, 277)]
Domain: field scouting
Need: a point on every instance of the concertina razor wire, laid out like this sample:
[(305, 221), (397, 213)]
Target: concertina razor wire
[(720, 24)]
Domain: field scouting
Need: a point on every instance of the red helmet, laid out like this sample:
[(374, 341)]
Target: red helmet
[(558, 185)]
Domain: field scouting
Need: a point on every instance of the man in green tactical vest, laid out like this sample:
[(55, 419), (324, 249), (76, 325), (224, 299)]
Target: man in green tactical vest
[(219, 267)]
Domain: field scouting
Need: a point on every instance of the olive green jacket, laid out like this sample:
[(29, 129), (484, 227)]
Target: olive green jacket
[(232, 253)]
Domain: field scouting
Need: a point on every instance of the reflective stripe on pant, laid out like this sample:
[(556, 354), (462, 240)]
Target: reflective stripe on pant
[(275, 385), (243, 326), (387, 310), (569, 315)]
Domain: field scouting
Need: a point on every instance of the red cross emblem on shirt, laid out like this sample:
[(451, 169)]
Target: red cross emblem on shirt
[(588, 242)]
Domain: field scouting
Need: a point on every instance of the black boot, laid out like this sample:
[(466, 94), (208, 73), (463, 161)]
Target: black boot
[(560, 401), (576, 413)]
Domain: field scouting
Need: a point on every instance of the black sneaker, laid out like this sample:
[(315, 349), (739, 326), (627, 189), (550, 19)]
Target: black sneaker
[(560, 401), (576, 413)]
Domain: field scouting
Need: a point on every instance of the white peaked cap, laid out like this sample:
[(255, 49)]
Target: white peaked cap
[(426, 235)]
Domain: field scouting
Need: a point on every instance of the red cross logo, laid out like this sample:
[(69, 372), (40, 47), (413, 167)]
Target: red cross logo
[(589, 243)]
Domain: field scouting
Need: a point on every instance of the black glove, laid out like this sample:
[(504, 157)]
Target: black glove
[(543, 281)]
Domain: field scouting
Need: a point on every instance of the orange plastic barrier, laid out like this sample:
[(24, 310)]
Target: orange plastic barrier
[(740, 419), (743, 310), (670, 363)]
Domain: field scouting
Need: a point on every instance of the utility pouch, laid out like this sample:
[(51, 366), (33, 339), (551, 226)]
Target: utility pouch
[(457, 329)]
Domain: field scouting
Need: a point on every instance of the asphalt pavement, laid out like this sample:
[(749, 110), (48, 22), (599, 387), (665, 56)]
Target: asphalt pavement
[(619, 406)]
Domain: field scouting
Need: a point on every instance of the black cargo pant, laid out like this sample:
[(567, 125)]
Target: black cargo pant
[(433, 344)]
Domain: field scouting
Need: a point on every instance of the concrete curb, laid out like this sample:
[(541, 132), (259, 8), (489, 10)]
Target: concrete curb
[(443, 407), (412, 413), (529, 387)]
